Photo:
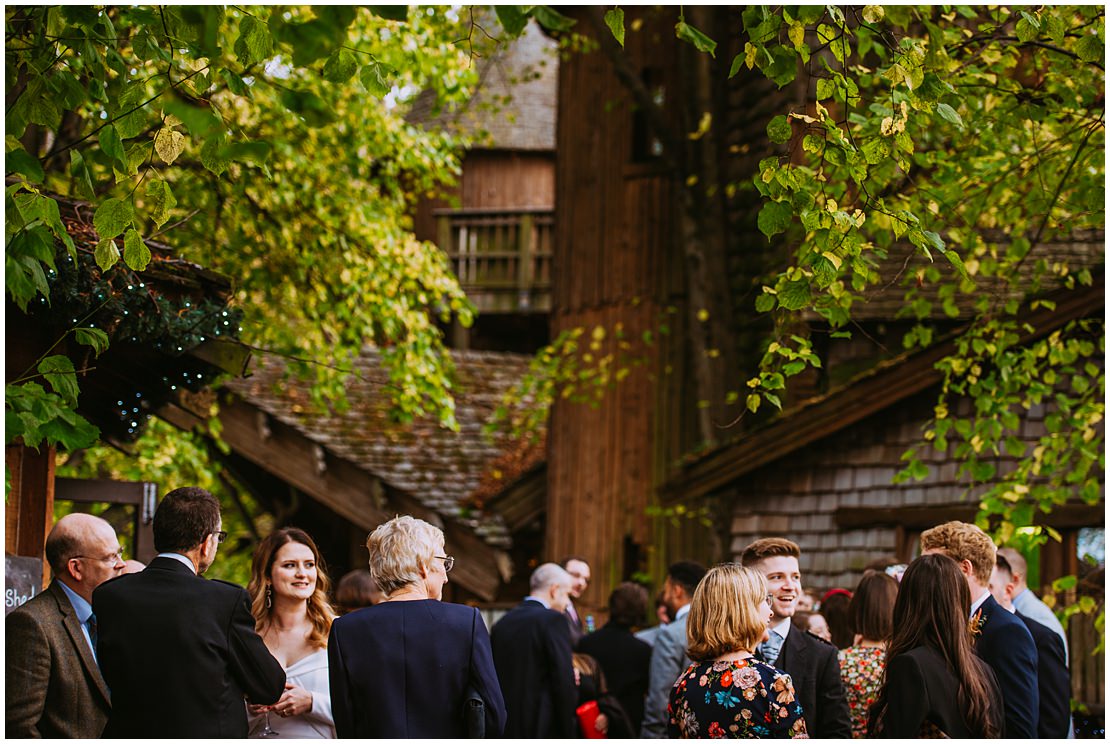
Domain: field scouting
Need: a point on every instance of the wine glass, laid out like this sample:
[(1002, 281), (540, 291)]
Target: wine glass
[(266, 730)]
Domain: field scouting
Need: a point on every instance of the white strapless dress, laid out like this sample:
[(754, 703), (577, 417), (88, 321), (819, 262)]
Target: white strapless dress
[(311, 673)]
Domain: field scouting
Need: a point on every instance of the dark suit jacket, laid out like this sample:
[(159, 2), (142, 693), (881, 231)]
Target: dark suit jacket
[(625, 661), (575, 623), (401, 670), (179, 652), (1006, 645), (1054, 681), (814, 668), (920, 688), (532, 652), (53, 687)]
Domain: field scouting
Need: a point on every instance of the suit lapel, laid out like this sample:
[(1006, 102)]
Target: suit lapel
[(794, 654), (77, 637)]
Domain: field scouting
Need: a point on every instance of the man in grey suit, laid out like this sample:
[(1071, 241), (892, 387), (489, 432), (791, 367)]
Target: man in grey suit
[(54, 687), (668, 653)]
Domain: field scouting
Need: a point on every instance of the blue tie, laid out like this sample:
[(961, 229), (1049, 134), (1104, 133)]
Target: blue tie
[(91, 623), (771, 647)]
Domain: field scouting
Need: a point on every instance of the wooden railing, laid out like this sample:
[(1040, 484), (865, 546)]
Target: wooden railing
[(502, 257)]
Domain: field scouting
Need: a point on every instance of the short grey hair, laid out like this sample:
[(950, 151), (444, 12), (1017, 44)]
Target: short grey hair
[(548, 574), (399, 549)]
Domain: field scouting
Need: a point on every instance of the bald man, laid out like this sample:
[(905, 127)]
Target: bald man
[(53, 683), (1026, 602)]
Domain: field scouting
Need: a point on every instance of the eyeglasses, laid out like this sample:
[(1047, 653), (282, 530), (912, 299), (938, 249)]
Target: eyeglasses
[(770, 600), (448, 562), (113, 558), (220, 536)]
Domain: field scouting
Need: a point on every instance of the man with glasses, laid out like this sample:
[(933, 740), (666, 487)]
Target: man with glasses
[(178, 651), (54, 688), (810, 661)]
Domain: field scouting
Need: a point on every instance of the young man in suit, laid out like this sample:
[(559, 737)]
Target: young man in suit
[(1026, 602), (532, 655), (668, 653), (1002, 640), (1053, 678), (179, 652), (54, 689), (579, 572), (810, 661)]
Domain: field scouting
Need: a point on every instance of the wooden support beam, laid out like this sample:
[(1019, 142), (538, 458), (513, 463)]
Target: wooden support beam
[(352, 492), (140, 494), (29, 509), (1066, 516)]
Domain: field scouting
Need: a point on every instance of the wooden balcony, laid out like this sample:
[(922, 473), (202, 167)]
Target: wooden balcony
[(502, 257)]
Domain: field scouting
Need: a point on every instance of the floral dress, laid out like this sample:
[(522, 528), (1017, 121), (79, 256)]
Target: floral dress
[(744, 699), (861, 670)]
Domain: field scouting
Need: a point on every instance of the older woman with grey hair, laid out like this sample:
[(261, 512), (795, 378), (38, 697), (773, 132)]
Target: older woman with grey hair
[(407, 667)]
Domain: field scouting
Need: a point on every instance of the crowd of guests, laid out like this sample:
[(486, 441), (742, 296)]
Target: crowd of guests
[(932, 649)]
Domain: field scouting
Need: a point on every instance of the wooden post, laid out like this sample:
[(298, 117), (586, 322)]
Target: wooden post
[(525, 267), (445, 241), (29, 511)]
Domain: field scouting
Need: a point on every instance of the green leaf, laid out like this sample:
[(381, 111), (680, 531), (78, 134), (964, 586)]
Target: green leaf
[(20, 161), (135, 253), (737, 63), (375, 78), (701, 42), (112, 217), (341, 66), (112, 145), (949, 114), (82, 177), (312, 108), (934, 239), (779, 129), (58, 371), (873, 13), (774, 218), (254, 43), (256, 152), (160, 200), (212, 157), (551, 19), (765, 303), (199, 121), (235, 83), (106, 254), (1025, 30), (614, 19), (390, 12), (795, 295), (753, 402), (131, 117), (169, 143), (93, 337), (1090, 48), (512, 18)]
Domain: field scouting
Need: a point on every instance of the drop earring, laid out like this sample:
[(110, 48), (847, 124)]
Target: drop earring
[(269, 600)]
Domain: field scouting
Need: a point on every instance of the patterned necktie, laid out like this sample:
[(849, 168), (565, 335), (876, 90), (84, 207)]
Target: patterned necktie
[(771, 647), (91, 624)]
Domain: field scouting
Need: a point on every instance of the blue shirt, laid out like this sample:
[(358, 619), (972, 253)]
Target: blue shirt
[(84, 612)]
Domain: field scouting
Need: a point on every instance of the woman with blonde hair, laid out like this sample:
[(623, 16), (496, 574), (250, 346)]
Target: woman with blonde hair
[(288, 590), (413, 666), (727, 692)]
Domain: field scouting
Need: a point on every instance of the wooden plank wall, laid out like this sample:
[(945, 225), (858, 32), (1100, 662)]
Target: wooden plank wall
[(613, 231), (29, 508)]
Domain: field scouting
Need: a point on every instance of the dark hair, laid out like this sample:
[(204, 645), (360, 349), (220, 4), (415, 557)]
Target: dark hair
[(184, 519), (628, 604), (61, 545), (769, 547), (355, 590), (1002, 563), (932, 610), (687, 574), (834, 607), (871, 610)]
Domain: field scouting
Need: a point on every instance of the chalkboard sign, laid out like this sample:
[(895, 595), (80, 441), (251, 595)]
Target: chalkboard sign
[(22, 579)]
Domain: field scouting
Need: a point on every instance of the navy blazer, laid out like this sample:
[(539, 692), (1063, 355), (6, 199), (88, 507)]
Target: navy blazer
[(814, 668), (1054, 681), (532, 651), (1006, 645), (400, 670), (179, 652)]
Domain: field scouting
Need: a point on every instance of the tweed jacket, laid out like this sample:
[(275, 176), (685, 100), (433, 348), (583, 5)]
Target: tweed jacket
[(53, 686)]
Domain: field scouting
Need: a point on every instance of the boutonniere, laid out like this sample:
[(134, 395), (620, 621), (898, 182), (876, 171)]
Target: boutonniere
[(975, 624)]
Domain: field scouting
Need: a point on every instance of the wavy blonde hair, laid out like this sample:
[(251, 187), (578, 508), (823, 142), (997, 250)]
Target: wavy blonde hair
[(399, 549), (728, 612), (962, 541), (320, 612)]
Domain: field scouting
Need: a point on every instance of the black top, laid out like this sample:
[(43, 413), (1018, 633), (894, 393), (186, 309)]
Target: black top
[(814, 668), (1053, 681), (179, 653), (625, 660), (402, 670), (532, 653), (1005, 644), (922, 692)]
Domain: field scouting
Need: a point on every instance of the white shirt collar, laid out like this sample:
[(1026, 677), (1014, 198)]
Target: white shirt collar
[(179, 557), (683, 611), (537, 599), (979, 602), (783, 628)]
